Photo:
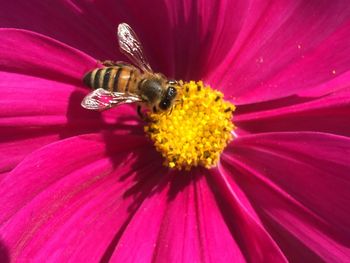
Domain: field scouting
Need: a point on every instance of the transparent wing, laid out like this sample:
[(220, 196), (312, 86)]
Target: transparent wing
[(101, 99), (131, 46)]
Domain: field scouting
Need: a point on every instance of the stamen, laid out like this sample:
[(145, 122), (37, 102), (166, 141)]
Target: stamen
[(196, 131)]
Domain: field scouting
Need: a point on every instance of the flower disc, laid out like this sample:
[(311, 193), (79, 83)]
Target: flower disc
[(196, 130)]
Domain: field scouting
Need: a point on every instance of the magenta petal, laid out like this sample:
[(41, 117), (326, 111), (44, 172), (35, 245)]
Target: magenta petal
[(328, 113), (29, 53), (299, 185), (202, 33), (29, 122), (40, 99), (285, 47), (81, 25), (68, 200), (90, 26), (180, 222), (245, 226)]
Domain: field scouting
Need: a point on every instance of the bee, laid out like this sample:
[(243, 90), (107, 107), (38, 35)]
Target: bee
[(118, 83)]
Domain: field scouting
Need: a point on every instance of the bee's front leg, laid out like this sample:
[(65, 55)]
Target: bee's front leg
[(111, 63), (139, 112), (141, 115), (107, 63)]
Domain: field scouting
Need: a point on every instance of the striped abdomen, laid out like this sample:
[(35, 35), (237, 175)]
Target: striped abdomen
[(114, 79)]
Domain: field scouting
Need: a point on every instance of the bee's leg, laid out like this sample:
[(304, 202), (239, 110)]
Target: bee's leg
[(111, 63), (107, 63), (141, 115), (171, 110), (182, 102), (139, 112)]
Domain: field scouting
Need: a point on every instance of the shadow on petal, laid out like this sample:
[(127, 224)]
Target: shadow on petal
[(75, 114), (152, 182), (180, 180), (150, 171), (4, 254), (119, 121)]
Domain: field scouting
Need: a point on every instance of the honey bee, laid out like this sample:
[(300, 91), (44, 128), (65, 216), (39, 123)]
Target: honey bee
[(118, 83)]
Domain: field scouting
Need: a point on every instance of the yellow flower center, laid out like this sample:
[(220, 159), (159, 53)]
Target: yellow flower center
[(195, 131)]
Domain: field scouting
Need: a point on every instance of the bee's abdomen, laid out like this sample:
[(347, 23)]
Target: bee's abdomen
[(113, 79)]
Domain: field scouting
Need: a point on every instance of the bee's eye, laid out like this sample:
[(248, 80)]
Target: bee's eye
[(171, 92), (164, 104)]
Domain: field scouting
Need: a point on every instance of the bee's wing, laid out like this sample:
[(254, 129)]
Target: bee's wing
[(101, 99), (131, 46)]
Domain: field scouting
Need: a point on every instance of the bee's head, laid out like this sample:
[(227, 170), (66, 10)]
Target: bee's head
[(169, 95)]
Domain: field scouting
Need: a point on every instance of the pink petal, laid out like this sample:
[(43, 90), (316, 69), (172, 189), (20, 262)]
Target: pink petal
[(328, 113), (68, 200), (298, 184), (244, 224), (29, 122), (90, 26), (32, 54), (179, 222), (40, 103), (285, 47), (83, 25), (202, 33)]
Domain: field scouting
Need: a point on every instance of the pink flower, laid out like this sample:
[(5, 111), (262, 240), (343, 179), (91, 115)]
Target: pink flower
[(82, 186)]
